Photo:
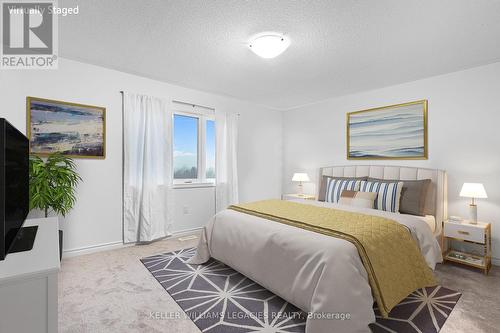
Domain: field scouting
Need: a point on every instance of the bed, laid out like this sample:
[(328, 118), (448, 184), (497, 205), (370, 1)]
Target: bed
[(316, 272)]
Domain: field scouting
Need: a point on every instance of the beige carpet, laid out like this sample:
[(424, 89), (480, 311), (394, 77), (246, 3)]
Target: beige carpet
[(113, 292)]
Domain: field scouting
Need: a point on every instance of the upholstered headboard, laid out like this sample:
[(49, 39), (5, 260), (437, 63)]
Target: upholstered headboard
[(437, 200)]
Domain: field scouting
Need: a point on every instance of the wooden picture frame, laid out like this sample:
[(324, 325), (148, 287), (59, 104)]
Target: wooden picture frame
[(75, 130), (393, 132)]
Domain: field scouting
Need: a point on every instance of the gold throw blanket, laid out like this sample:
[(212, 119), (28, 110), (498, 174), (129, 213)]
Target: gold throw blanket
[(389, 254)]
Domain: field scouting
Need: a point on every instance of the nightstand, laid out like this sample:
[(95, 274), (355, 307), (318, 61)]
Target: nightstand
[(479, 234), (297, 196)]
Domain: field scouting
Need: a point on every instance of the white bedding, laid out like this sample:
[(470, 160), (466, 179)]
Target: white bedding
[(317, 273), (430, 220)]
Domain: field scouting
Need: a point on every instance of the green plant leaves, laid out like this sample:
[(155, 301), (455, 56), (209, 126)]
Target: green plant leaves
[(53, 183)]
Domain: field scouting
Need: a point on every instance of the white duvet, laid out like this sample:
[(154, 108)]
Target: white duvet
[(317, 273)]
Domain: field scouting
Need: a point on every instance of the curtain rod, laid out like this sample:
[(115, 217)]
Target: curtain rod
[(186, 103), (190, 104), (193, 105)]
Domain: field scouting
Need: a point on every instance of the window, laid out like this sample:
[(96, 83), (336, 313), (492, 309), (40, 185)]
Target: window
[(210, 150), (185, 147), (194, 148)]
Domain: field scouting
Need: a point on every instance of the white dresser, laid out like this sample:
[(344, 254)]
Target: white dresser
[(28, 283)]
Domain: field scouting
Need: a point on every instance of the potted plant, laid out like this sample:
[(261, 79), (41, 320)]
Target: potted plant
[(52, 185)]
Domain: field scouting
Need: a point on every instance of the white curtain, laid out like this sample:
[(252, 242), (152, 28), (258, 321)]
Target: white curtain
[(226, 135), (147, 173)]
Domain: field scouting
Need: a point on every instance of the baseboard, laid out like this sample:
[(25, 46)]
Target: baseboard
[(495, 261), (118, 244), (94, 248), (185, 232)]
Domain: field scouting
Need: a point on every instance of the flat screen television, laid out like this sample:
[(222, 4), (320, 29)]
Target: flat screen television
[(14, 187)]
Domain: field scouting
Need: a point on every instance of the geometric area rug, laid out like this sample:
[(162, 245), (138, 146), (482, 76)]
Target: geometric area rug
[(218, 299)]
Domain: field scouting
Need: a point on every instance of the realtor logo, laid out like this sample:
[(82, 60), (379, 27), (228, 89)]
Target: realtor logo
[(29, 35)]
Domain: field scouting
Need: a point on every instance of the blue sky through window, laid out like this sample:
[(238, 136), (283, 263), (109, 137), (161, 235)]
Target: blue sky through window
[(185, 146)]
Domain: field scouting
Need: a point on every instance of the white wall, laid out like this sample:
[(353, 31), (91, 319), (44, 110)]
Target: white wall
[(193, 206), (97, 216), (464, 134)]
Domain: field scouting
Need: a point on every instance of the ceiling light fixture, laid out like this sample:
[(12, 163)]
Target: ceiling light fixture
[(269, 44)]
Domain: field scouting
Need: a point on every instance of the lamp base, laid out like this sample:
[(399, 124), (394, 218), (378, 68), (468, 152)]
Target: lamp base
[(473, 214), (301, 189)]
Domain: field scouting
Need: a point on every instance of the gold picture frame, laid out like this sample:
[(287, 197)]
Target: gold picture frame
[(92, 147), (393, 147)]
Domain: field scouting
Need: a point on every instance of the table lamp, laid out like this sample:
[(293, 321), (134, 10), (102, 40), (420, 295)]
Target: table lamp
[(300, 177), (474, 191)]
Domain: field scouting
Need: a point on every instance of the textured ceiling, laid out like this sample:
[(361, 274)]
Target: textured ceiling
[(338, 47)]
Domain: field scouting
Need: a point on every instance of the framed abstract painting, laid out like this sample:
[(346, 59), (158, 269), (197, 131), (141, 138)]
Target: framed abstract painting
[(390, 132), (75, 130)]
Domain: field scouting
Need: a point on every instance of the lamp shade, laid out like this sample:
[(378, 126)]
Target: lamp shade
[(300, 177), (473, 190)]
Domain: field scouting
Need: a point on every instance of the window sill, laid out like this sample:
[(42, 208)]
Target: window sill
[(192, 185)]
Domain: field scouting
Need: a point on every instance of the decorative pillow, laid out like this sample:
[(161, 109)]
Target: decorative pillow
[(324, 181), (388, 194), (334, 188), (413, 195), (357, 199)]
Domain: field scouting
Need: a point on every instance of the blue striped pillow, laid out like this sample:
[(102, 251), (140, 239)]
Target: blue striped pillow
[(388, 194), (334, 188)]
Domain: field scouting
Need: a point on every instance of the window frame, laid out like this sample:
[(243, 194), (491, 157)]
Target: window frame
[(201, 180), (204, 171)]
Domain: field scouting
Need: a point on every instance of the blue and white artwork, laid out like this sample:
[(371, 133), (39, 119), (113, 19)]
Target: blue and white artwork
[(71, 129), (394, 132)]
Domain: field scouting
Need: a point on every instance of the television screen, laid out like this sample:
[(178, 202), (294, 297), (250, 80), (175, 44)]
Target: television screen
[(14, 184)]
